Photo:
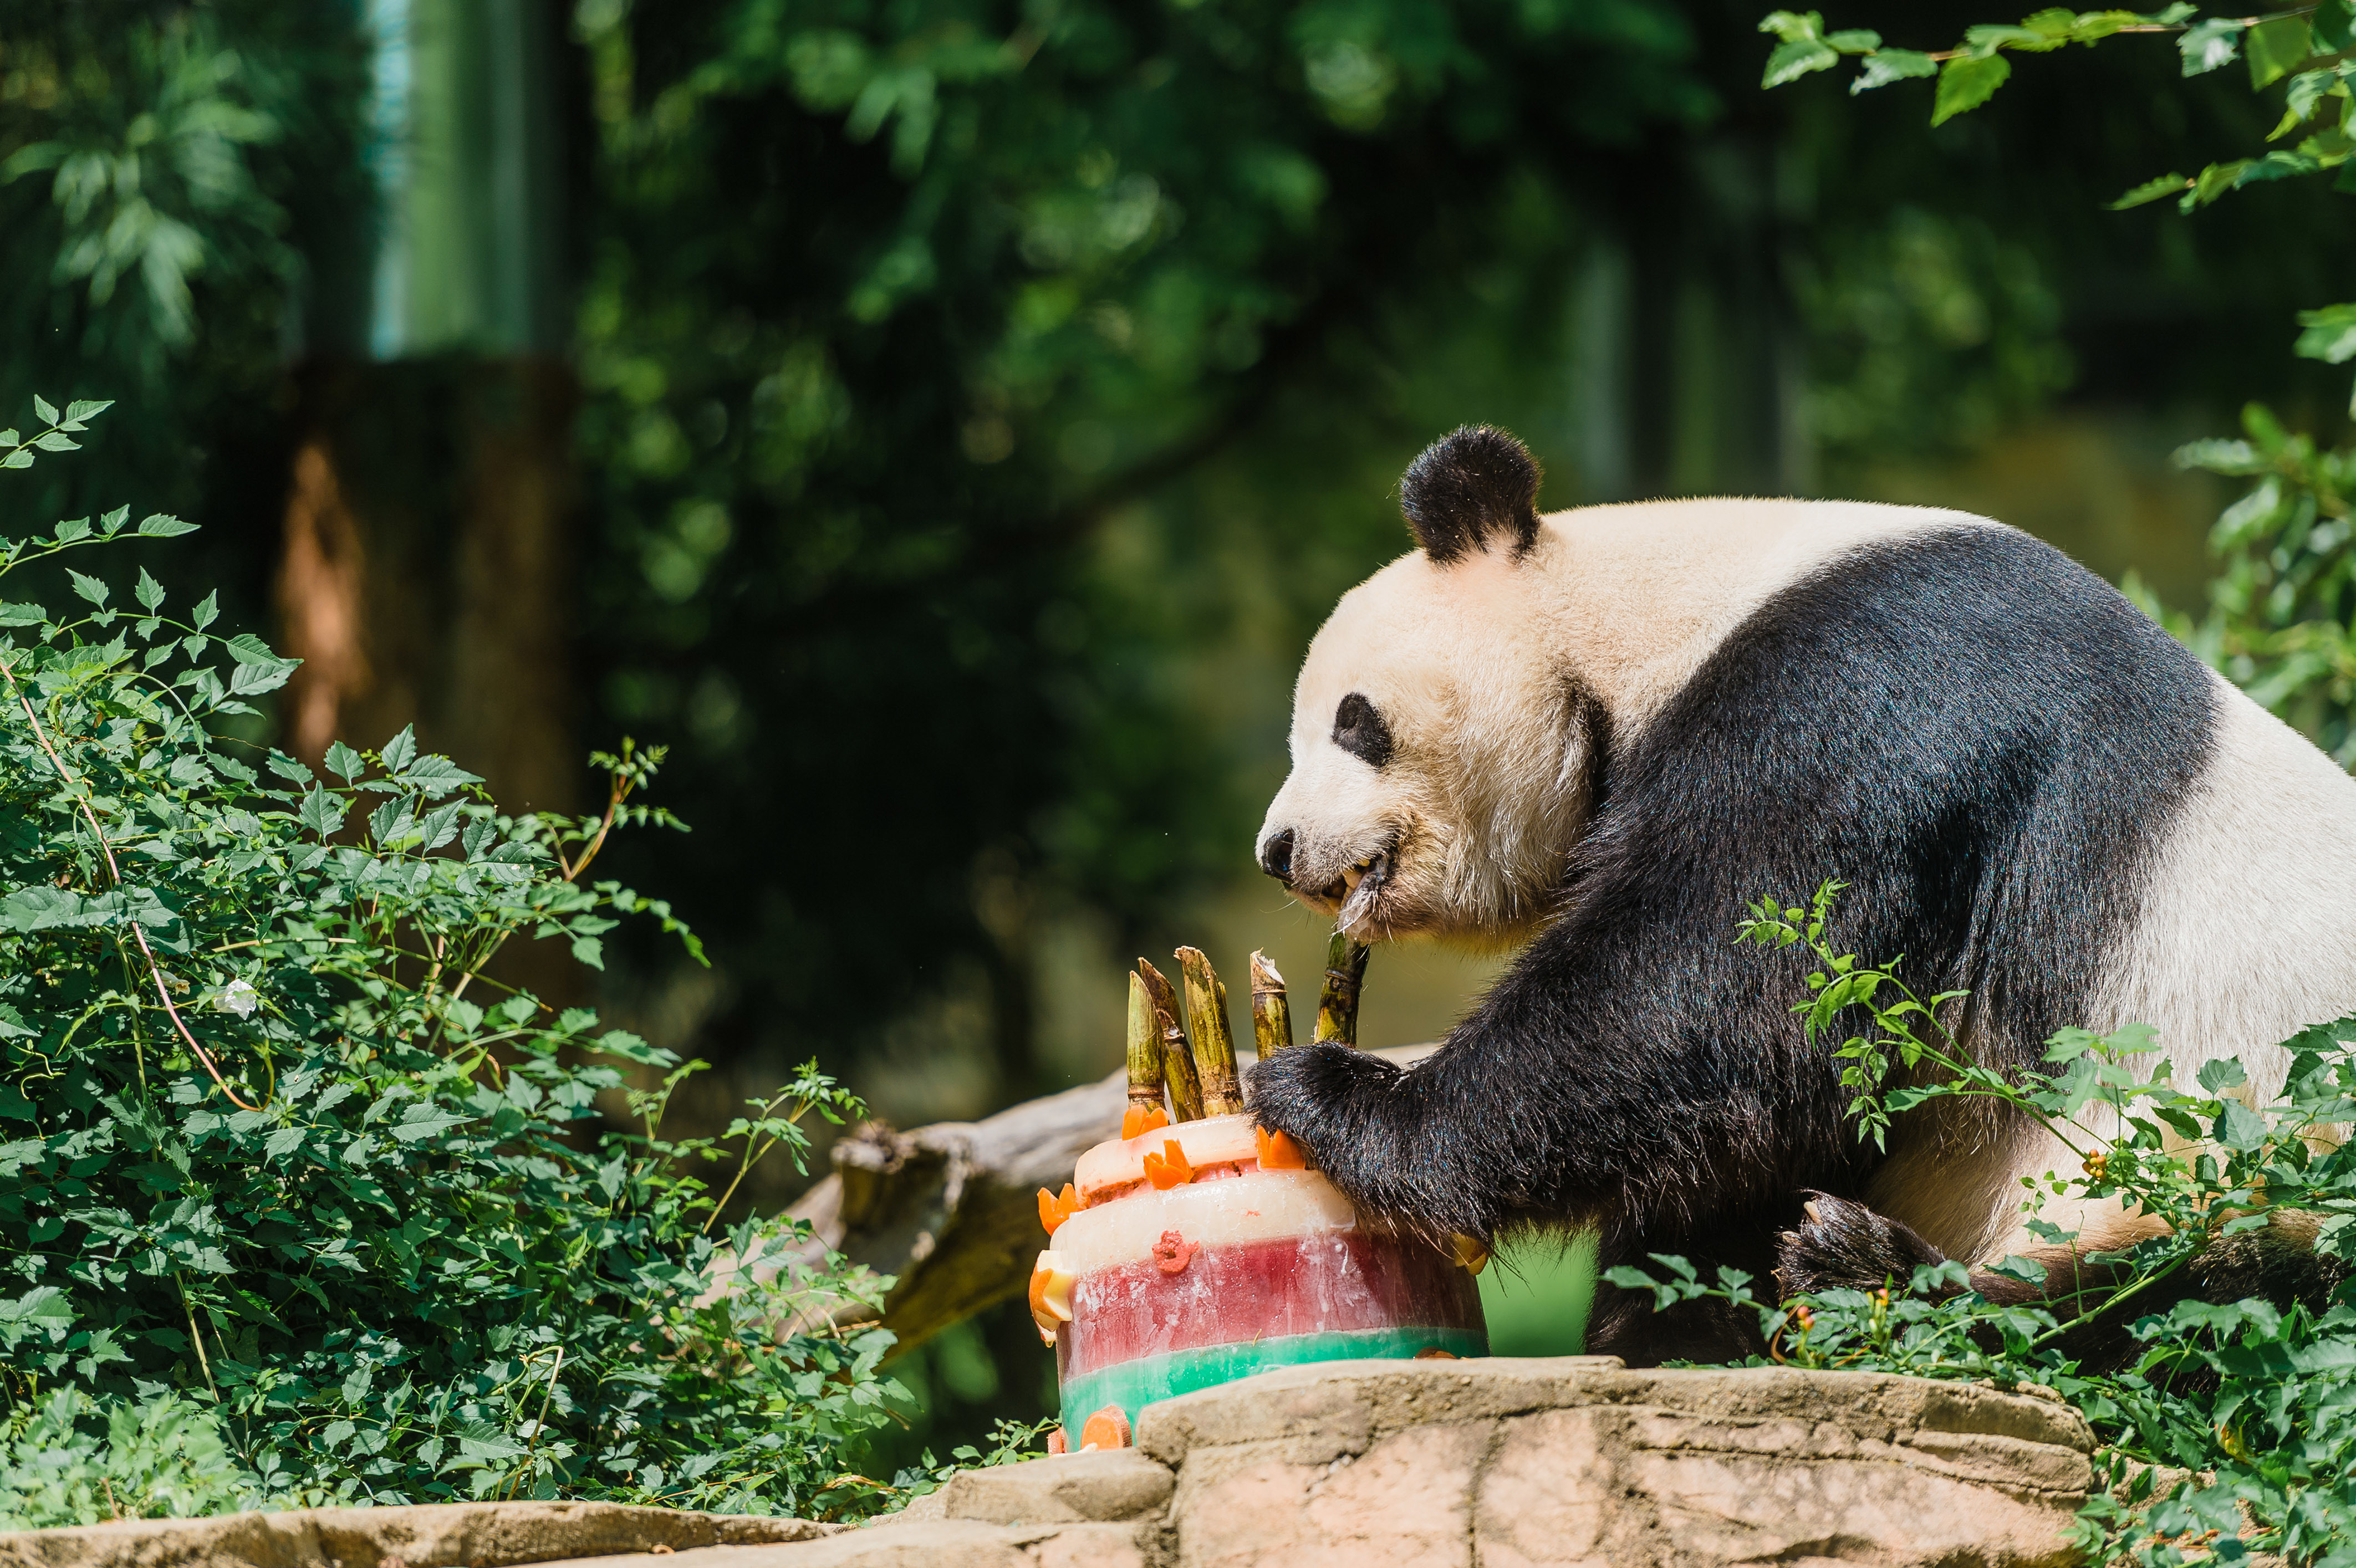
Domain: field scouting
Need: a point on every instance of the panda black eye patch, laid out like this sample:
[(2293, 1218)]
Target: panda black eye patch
[(1359, 729)]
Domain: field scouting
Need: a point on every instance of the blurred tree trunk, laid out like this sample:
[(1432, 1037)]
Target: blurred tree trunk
[(436, 598), (426, 567)]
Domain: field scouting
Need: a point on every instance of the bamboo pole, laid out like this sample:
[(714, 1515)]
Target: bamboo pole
[(1272, 1008), (1337, 1001), (1177, 1058), (1215, 1042), (1144, 1048)]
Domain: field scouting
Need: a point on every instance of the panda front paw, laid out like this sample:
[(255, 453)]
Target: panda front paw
[(1842, 1245)]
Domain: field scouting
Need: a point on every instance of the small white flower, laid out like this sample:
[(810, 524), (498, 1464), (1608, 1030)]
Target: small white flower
[(238, 998)]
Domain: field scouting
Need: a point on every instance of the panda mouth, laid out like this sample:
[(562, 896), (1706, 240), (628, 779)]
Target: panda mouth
[(1365, 881)]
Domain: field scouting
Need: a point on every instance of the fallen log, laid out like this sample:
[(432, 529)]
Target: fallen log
[(952, 1209)]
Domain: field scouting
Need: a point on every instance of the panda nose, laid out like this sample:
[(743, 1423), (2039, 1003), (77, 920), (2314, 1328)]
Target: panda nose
[(1276, 857)]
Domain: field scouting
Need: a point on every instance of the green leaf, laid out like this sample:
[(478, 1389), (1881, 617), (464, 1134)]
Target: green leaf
[(1794, 26), (47, 409), (345, 762), (111, 524), (1885, 66), (208, 609), (1968, 82), (2330, 333), (2334, 23), (82, 409), (2208, 45), (2240, 1128), (2276, 49), (398, 751), (2151, 190), (322, 813), (161, 526), (1854, 41), (149, 593), (1793, 61), (2215, 181), (56, 441), (89, 587), (1987, 39)]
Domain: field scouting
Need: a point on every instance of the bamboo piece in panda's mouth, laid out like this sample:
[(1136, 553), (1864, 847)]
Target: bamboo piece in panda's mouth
[(1145, 1047), (1337, 1001), (1272, 1008), (1177, 1059), (1215, 1043)]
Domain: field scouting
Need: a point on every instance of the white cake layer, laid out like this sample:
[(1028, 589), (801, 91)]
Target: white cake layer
[(1258, 1206), (1214, 1140)]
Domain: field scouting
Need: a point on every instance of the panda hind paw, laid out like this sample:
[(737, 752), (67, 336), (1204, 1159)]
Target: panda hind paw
[(1842, 1245)]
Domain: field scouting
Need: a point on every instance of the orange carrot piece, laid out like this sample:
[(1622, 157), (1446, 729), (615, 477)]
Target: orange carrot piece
[(1169, 1168), (1107, 1428), (1139, 1120), (1278, 1151), (1053, 1209)]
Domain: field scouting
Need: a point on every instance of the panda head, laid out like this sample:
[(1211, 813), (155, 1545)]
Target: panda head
[(1443, 748)]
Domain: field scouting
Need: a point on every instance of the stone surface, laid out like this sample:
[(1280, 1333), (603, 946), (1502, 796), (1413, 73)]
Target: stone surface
[(477, 1535), (1074, 1487), (1579, 1461), (1501, 1462)]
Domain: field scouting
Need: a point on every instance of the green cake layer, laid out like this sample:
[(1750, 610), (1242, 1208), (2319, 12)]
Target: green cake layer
[(1133, 1385)]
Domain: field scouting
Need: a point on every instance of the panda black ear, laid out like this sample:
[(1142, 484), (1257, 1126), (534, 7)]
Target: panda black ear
[(1467, 486)]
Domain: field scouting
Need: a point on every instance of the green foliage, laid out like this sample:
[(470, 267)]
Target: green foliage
[(186, 203), (68, 1458), (2252, 1398), (2282, 616), (139, 179), (280, 1144)]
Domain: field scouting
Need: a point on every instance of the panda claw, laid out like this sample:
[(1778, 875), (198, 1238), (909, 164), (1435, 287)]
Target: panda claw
[(1816, 1216)]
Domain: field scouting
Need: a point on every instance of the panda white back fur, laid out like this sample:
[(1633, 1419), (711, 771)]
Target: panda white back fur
[(1607, 729)]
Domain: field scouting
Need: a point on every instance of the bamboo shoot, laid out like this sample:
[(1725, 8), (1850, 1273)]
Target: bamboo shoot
[(1272, 1008), (1177, 1058), (1215, 1042), (1144, 1048), (1337, 1002)]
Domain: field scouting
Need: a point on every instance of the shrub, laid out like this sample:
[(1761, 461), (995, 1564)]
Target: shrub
[(2252, 1398), (164, 1458), (277, 1147)]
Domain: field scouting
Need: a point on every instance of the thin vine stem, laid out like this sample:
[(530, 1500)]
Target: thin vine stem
[(154, 969)]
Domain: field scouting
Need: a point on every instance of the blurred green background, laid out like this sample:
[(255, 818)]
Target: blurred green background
[(944, 424)]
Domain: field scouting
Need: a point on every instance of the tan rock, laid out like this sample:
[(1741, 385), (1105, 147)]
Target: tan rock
[(479, 1535), (1404, 1502), (1069, 1489), (1570, 1463), (919, 1544)]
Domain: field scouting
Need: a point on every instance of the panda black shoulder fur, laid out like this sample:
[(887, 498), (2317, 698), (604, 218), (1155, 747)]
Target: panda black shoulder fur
[(1607, 731)]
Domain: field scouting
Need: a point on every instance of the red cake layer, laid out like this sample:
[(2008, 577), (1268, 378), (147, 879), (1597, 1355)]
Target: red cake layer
[(1309, 1284)]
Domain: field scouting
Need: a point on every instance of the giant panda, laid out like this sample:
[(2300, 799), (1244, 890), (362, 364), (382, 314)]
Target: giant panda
[(1599, 734)]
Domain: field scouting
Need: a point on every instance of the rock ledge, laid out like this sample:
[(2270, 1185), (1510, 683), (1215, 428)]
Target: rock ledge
[(1502, 1462)]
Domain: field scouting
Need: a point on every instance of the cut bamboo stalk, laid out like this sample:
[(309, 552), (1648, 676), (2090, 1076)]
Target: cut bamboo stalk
[(1144, 1048), (1215, 1042), (1177, 1058), (1272, 1008), (1337, 1000)]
